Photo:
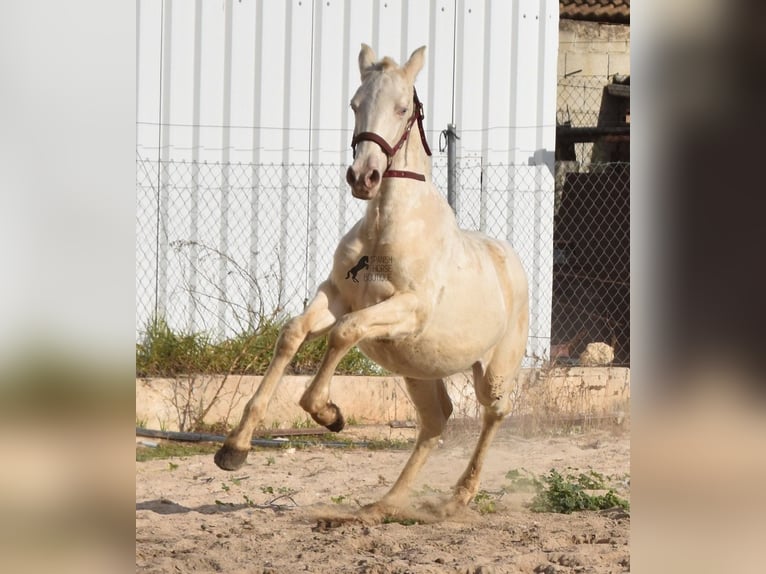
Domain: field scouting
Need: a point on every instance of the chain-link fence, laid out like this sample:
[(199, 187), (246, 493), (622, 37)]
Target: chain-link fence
[(584, 102), (579, 102), (591, 269), (220, 246)]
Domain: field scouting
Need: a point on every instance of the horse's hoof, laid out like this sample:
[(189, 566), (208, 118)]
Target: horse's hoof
[(374, 514), (228, 458), (338, 424)]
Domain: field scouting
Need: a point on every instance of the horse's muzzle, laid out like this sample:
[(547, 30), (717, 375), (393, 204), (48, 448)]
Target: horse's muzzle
[(363, 186)]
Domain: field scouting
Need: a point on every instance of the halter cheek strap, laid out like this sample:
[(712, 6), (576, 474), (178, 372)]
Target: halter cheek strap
[(417, 114)]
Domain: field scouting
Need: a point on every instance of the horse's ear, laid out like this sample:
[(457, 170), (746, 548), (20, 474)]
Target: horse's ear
[(366, 59), (415, 63)]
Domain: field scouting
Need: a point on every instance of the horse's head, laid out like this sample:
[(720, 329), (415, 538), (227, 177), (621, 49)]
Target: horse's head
[(383, 108)]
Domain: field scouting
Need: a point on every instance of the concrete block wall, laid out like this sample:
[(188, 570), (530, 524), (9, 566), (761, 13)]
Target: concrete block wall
[(597, 49), (381, 400)]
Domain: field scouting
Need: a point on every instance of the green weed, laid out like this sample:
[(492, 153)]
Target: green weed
[(568, 493), (172, 450), (304, 423), (485, 502), (164, 352)]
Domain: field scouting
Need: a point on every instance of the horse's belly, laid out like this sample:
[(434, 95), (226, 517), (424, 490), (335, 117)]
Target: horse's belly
[(422, 357), (457, 333)]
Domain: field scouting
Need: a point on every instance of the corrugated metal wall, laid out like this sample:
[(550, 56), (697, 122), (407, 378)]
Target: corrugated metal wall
[(268, 82), (211, 72)]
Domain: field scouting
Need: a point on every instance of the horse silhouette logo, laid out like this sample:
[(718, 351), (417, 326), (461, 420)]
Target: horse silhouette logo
[(361, 264)]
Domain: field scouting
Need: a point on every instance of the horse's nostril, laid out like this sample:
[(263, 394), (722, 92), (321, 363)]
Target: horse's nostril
[(374, 177), (350, 176)]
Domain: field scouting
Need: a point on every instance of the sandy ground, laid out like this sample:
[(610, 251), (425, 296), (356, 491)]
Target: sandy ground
[(279, 513)]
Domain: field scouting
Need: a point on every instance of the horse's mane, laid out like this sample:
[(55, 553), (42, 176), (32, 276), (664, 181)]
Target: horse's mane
[(386, 64), (381, 66)]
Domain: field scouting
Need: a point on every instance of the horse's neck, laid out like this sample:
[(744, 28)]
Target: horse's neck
[(400, 200), (404, 210)]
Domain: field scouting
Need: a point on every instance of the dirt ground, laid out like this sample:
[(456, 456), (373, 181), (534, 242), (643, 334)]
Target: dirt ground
[(282, 512)]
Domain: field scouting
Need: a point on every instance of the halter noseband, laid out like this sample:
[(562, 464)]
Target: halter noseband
[(417, 114)]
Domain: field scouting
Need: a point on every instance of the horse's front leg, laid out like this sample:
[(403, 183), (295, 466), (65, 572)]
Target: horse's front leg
[(394, 317), (319, 316)]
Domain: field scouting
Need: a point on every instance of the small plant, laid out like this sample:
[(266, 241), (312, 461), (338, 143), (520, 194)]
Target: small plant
[(485, 502), (225, 487), (166, 352), (267, 489), (270, 460), (304, 423), (172, 450), (521, 481), (172, 466), (568, 493), (338, 499)]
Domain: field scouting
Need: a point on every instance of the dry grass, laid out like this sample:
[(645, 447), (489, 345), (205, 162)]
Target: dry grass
[(546, 401)]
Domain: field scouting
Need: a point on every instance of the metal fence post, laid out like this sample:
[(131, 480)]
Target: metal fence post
[(451, 167)]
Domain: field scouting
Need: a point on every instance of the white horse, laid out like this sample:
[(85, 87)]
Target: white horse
[(426, 299)]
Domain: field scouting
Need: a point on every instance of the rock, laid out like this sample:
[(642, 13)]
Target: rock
[(597, 354)]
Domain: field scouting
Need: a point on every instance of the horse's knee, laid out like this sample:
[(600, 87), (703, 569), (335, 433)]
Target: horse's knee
[(291, 336), (493, 392), (344, 334)]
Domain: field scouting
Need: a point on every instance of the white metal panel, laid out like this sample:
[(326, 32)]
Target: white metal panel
[(243, 86), (262, 82), (502, 78)]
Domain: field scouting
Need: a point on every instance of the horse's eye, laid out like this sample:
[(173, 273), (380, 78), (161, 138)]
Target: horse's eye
[(402, 112)]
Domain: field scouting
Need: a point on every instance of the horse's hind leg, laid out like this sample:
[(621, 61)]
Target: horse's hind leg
[(468, 485), (434, 407), (319, 316), (493, 387)]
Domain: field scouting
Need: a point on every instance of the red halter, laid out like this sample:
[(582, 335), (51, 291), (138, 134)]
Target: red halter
[(417, 114)]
